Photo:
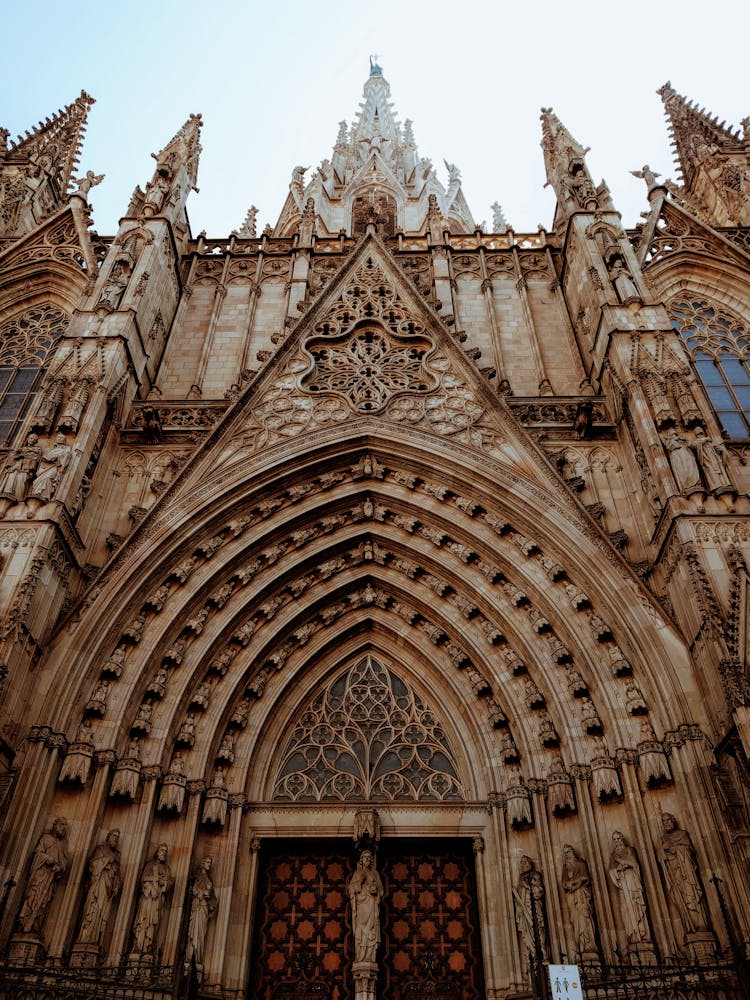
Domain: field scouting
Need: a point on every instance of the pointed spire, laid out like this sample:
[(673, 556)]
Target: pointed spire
[(499, 222), (565, 162), (184, 148), (696, 134), (55, 143), (248, 230)]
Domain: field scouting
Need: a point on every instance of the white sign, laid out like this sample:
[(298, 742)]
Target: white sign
[(565, 982)]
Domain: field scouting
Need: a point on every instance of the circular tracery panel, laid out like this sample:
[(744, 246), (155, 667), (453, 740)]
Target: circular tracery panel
[(369, 367), (368, 737)]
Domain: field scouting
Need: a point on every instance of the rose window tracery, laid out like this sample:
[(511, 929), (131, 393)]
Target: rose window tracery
[(369, 367), (368, 737)]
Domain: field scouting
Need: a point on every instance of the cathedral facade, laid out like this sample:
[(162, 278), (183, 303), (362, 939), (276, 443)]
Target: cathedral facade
[(374, 589)]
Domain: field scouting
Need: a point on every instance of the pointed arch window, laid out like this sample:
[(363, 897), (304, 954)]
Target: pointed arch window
[(26, 345), (368, 737), (718, 341)]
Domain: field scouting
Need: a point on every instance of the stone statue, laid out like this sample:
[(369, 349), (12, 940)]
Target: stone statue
[(54, 463), (114, 287), (680, 869), (648, 175), (125, 780), (576, 884), (365, 893), (226, 750), (156, 881), (651, 756), (48, 865), (186, 735), (683, 463), (97, 703), (84, 184), (625, 873), (202, 908), (77, 763), (711, 456), (528, 894), (622, 279), (158, 684), (20, 470), (215, 808), (173, 789), (114, 664), (517, 801), (104, 886)]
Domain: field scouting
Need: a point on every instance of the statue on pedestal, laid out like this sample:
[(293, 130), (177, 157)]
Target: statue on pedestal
[(104, 886), (156, 881), (48, 865), (202, 908)]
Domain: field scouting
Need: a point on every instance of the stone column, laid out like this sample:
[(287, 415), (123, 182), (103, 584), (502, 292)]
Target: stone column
[(505, 964), (591, 849), (26, 819), (84, 829), (180, 857), (134, 832), (217, 956)]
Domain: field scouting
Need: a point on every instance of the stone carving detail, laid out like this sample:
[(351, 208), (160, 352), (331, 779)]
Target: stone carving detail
[(365, 894), (19, 472), (127, 773), (369, 368), (369, 737), (684, 465), (652, 758), (48, 865), (576, 885), (103, 888), (172, 794), (625, 873), (531, 922), (604, 772), (517, 801), (215, 807), (51, 467), (77, 763), (156, 881), (202, 908)]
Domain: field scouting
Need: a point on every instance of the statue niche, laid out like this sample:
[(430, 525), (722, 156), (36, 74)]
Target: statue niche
[(377, 208)]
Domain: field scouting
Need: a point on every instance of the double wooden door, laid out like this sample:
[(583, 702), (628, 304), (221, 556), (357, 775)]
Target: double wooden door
[(430, 948)]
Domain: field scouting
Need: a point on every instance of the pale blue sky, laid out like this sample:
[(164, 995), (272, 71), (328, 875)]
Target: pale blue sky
[(273, 80)]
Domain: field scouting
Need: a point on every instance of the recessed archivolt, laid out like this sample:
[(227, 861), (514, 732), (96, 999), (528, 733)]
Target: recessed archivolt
[(462, 620), (461, 561)]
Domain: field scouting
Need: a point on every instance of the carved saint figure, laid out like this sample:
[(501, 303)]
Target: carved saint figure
[(20, 470), (156, 881), (576, 884), (625, 873), (87, 182), (54, 463), (104, 885), (48, 865), (683, 463), (114, 287), (681, 873), (365, 893), (528, 893), (125, 780), (202, 908), (712, 458)]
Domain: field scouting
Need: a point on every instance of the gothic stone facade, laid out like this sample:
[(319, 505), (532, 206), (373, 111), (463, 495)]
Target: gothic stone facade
[(375, 530)]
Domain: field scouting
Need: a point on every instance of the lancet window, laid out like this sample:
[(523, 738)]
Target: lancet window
[(718, 341), (26, 345)]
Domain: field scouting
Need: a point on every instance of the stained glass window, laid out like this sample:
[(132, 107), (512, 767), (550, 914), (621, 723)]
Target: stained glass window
[(26, 345), (718, 341)]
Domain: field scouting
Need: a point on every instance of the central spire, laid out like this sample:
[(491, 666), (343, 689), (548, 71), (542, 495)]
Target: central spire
[(376, 175)]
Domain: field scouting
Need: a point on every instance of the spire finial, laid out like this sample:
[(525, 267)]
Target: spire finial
[(375, 69)]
